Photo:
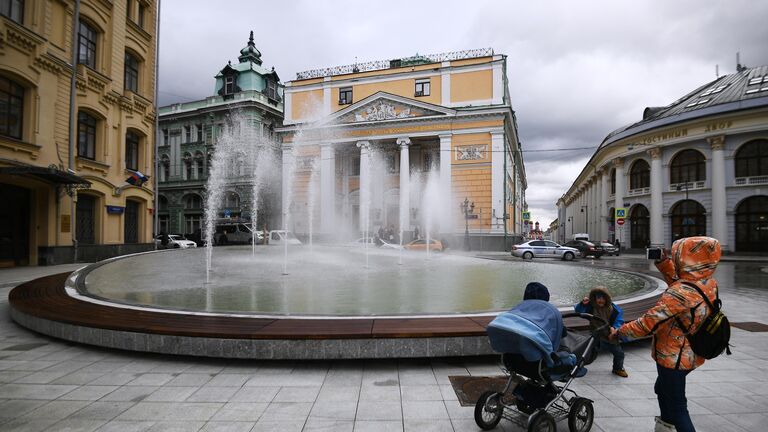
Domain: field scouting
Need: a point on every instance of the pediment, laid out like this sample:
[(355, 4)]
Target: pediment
[(384, 106)]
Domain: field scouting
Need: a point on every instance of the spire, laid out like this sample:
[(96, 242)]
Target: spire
[(250, 53)]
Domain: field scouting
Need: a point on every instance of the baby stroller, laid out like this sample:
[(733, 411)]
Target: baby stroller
[(535, 358)]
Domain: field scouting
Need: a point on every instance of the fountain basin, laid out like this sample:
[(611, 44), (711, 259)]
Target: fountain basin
[(158, 302)]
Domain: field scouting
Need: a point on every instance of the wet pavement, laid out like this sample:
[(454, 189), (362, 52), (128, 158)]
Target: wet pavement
[(47, 384)]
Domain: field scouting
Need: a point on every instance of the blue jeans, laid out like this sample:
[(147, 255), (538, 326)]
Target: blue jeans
[(670, 389), (618, 354)]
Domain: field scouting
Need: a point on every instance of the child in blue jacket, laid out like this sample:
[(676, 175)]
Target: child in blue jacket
[(599, 303)]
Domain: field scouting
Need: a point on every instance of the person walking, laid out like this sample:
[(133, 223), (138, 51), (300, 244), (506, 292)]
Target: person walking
[(599, 303), (680, 310)]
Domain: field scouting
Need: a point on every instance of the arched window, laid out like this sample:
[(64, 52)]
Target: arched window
[(162, 203), (187, 166), (198, 165), (688, 219), (193, 202), (131, 74), (231, 200), (687, 166), (12, 108), (132, 150), (752, 225), (86, 135), (640, 175), (752, 159), (640, 230), (613, 181), (86, 45), (165, 168)]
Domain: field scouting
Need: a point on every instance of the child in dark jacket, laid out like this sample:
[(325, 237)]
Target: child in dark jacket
[(599, 303)]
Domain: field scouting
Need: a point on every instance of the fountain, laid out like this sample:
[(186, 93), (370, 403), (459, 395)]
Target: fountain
[(336, 301)]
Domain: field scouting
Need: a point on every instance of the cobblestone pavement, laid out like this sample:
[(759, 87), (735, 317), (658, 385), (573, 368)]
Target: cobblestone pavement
[(46, 384)]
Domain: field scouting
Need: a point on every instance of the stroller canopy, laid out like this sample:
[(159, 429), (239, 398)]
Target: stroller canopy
[(532, 329)]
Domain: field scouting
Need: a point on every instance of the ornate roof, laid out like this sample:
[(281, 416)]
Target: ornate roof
[(250, 53)]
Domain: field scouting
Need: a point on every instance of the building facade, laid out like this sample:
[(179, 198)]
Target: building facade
[(428, 140), (698, 166), (62, 205), (188, 135)]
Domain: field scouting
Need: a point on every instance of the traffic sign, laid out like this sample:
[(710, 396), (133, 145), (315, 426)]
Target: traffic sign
[(526, 216), (621, 213), (620, 221), (227, 213)]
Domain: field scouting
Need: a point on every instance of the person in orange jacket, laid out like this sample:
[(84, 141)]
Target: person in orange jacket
[(680, 310)]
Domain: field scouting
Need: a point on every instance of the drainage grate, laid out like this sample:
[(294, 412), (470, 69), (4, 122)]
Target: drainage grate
[(751, 326)]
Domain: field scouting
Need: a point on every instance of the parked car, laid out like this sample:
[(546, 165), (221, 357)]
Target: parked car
[(174, 241), (279, 237), (373, 242), (544, 249), (609, 249), (586, 248), (421, 245), (234, 233)]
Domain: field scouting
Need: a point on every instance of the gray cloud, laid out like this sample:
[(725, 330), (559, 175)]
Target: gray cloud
[(577, 70)]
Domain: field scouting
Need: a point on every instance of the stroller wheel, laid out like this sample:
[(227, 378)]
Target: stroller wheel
[(581, 415), (488, 410), (542, 421)]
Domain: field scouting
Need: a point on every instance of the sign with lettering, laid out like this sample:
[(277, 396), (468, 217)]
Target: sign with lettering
[(115, 209), (66, 222)]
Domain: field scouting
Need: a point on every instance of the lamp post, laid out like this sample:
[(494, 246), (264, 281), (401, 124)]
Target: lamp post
[(586, 219), (468, 209)]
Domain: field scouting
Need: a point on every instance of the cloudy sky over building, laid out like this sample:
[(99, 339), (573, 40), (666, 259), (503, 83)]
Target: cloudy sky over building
[(577, 70)]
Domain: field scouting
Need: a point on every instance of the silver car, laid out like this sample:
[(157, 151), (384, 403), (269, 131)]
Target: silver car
[(543, 249)]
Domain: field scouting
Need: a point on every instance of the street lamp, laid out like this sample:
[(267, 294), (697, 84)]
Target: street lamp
[(586, 219), (468, 209)]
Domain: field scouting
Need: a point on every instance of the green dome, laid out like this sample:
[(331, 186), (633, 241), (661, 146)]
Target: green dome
[(250, 53)]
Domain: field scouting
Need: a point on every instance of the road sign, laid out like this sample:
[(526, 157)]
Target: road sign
[(620, 221), (526, 216), (621, 213), (227, 213)]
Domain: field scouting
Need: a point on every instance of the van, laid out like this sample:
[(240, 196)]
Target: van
[(234, 233), (581, 236), (279, 237)]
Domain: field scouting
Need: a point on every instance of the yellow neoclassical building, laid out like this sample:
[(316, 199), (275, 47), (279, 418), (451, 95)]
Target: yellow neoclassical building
[(350, 132), (61, 205)]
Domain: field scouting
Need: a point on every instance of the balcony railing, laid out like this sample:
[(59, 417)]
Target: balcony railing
[(677, 187), (748, 181), (639, 191)]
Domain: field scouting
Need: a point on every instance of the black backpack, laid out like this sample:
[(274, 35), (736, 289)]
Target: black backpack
[(712, 336)]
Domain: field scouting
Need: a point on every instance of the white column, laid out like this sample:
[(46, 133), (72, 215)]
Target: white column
[(604, 188), (445, 84), (497, 177), (405, 184), (618, 163), (719, 224), (327, 188), (446, 155), (657, 200), (365, 187), (288, 162)]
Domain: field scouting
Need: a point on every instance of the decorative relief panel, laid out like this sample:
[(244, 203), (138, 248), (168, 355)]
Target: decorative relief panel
[(305, 163), (382, 111), (472, 152)]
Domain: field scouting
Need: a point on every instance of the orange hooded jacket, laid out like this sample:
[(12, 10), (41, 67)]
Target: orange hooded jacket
[(694, 260)]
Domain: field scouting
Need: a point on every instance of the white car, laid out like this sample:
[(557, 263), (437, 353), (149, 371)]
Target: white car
[(174, 241), (279, 237), (372, 242), (544, 249)]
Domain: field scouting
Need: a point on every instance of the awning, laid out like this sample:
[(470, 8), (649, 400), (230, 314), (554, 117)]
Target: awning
[(49, 174)]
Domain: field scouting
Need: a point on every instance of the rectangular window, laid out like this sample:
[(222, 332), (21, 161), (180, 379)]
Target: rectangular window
[(229, 85), (354, 169), (86, 46), (140, 16), (86, 136), (165, 137), (11, 108), (345, 96), (422, 88), (132, 151), (271, 90), (199, 129), (131, 73), (13, 9), (187, 134), (128, 9)]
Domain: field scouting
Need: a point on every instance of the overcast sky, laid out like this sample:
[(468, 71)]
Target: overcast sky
[(577, 69)]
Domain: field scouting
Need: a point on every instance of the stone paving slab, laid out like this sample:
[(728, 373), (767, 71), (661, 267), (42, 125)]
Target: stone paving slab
[(47, 384)]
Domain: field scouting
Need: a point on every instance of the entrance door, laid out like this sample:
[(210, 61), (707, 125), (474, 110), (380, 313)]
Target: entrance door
[(640, 230), (86, 219), (752, 225), (14, 225), (131, 228)]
